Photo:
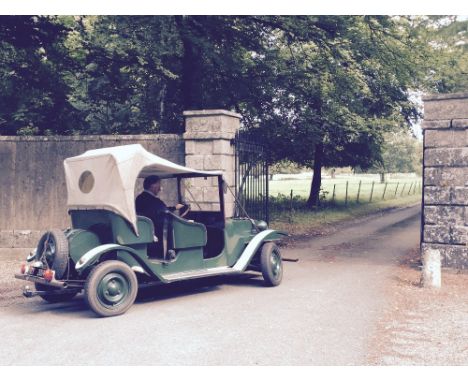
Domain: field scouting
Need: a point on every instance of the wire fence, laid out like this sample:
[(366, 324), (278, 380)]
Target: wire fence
[(345, 194)]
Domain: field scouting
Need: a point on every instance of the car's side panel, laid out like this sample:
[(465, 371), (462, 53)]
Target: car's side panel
[(123, 232), (241, 242), (187, 260), (186, 234), (126, 254), (237, 233), (112, 228), (93, 255), (81, 241)]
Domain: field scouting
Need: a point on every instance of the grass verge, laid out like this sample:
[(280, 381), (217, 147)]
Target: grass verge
[(305, 222)]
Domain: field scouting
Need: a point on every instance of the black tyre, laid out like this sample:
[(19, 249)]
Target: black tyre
[(271, 264), (53, 250), (53, 298), (111, 288)]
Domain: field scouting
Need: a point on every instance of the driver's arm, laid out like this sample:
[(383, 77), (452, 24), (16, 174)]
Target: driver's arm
[(183, 209)]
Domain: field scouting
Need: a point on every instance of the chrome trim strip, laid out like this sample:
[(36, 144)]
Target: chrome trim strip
[(187, 275), (250, 250), (88, 256)]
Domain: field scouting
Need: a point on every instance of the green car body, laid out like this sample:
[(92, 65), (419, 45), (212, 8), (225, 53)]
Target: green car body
[(189, 244), (109, 257)]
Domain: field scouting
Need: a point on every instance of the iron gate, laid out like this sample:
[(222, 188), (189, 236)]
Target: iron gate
[(251, 177)]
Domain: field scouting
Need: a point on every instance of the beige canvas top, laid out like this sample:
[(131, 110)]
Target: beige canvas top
[(105, 178)]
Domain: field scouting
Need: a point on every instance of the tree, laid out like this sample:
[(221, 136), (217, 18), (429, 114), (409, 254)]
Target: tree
[(33, 89), (140, 73), (126, 70), (401, 152), (319, 90), (449, 65), (342, 82)]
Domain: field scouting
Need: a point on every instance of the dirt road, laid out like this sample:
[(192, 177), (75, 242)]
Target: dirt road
[(327, 311)]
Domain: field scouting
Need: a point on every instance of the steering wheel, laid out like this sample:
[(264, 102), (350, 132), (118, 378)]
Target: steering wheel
[(185, 210)]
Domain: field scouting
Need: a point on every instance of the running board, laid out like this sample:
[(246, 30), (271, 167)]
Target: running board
[(199, 273)]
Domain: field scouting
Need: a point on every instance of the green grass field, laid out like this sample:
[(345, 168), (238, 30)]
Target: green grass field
[(293, 215), (395, 187)]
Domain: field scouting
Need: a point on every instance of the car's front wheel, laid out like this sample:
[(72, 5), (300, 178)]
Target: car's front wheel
[(271, 264), (111, 288)]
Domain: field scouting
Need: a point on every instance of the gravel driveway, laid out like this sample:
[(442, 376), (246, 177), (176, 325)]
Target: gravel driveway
[(334, 307)]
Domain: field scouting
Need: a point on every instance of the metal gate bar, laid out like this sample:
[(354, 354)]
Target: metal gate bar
[(251, 176)]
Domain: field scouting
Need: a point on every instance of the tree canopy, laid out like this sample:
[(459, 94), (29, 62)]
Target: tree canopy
[(320, 90), (401, 152)]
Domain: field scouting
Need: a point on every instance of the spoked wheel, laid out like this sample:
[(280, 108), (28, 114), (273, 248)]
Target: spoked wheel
[(52, 250), (271, 264), (111, 288)]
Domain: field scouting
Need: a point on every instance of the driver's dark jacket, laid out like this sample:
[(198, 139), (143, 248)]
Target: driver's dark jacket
[(149, 205)]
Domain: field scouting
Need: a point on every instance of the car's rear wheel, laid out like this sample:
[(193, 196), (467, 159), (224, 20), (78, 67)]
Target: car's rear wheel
[(111, 288), (53, 298), (52, 250), (271, 264)]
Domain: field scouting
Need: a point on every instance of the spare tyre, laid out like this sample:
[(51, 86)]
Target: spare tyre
[(52, 250)]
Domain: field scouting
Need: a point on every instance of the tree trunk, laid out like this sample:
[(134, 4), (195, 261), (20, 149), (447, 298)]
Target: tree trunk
[(190, 59), (382, 177), (314, 196)]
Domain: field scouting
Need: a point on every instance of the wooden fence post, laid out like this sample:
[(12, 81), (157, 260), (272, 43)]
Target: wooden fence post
[(346, 195), (358, 191), (396, 189), (333, 195), (385, 189), (411, 185), (371, 192), (290, 207)]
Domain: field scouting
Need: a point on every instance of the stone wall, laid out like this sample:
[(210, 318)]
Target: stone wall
[(32, 187), (445, 196)]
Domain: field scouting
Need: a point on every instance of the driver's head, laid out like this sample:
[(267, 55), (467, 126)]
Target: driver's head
[(152, 184)]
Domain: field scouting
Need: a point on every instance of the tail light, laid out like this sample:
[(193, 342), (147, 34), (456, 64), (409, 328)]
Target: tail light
[(23, 268), (48, 274)]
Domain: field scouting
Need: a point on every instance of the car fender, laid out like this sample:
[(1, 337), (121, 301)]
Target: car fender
[(93, 255), (254, 245)]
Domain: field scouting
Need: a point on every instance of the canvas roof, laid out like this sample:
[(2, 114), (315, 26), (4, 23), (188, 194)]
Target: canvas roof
[(105, 178)]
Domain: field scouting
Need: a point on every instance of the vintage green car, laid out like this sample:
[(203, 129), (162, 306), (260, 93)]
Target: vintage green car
[(107, 252)]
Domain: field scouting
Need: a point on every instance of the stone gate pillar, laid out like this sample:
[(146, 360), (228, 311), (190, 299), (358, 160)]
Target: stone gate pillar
[(208, 136), (445, 194)]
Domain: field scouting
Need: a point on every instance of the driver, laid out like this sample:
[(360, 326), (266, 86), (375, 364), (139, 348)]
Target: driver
[(148, 204)]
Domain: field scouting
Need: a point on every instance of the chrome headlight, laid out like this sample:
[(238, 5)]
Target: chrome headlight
[(262, 225)]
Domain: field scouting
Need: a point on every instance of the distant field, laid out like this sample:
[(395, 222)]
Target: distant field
[(294, 216), (397, 186)]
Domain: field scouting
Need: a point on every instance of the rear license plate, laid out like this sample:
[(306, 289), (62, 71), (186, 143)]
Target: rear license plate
[(39, 272)]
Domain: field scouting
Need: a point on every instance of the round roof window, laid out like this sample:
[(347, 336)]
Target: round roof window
[(86, 182)]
